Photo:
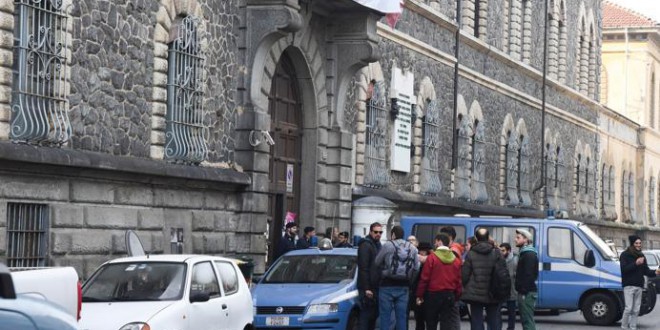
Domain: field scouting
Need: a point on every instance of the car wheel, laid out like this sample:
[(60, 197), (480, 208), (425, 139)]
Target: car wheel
[(249, 327), (599, 309), (649, 300), (353, 321)]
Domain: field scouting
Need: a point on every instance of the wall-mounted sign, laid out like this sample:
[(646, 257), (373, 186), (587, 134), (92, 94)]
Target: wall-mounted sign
[(402, 89), (289, 178)]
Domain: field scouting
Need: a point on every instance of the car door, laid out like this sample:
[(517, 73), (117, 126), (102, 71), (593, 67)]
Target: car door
[(564, 276), (206, 314), (237, 304)]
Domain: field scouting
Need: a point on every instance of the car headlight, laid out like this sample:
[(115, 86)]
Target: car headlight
[(322, 308), (136, 326)]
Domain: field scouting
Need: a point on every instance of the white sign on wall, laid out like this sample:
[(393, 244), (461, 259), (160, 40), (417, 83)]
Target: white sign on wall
[(289, 178), (401, 89)]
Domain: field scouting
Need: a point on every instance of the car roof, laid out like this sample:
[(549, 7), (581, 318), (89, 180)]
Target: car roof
[(316, 251), (169, 258)]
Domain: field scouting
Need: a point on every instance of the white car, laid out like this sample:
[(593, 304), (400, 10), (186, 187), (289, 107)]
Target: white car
[(167, 292)]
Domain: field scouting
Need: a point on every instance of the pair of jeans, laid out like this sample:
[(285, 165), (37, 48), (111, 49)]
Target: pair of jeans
[(393, 298), (632, 295), (438, 307), (526, 306), (493, 316), (511, 313), (368, 312)]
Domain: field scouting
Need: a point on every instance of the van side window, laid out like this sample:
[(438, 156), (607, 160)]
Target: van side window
[(506, 234), (565, 244), (426, 233)]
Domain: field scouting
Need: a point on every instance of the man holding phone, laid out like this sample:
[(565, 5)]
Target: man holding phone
[(633, 269)]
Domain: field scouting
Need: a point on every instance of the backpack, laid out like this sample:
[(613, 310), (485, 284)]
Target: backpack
[(402, 266), (500, 281)]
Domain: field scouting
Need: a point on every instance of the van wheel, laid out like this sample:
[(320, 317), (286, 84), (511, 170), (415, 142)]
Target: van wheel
[(249, 327), (353, 321), (599, 309)]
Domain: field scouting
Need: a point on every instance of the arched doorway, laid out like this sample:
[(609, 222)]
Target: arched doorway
[(285, 109)]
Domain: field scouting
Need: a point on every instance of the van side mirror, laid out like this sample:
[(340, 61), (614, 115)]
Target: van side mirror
[(589, 259), (199, 297)]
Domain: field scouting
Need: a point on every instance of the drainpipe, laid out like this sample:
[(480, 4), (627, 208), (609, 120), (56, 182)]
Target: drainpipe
[(542, 184), (625, 75), (454, 134)]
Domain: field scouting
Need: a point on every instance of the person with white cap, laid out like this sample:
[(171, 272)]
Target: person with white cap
[(527, 272), (633, 269)]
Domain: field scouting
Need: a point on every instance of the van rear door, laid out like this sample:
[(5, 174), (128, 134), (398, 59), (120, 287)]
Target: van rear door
[(564, 275)]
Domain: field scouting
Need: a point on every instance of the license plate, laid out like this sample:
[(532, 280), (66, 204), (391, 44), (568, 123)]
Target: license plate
[(277, 320)]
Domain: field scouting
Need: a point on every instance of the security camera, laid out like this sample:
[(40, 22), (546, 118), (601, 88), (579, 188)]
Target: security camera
[(268, 138)]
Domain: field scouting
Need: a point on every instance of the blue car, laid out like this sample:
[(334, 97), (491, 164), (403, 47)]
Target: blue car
[(310, 289)]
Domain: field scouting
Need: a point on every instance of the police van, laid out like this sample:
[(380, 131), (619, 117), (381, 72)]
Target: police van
[(577, 269)]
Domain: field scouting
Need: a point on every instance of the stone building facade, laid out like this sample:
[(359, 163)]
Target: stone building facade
[(203, 125)]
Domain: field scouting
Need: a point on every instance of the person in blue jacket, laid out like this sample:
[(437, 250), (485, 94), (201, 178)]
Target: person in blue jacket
[(633, 269)]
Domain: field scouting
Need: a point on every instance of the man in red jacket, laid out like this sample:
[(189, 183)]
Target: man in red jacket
[(440, 284)]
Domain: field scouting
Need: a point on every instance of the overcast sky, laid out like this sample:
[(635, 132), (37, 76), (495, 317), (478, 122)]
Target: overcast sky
[(649, 8)]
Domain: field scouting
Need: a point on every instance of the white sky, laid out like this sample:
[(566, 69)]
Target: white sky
[(649, 8)]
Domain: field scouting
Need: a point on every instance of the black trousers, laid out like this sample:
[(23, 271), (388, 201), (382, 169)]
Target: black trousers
[(438, 307), (368, 312)]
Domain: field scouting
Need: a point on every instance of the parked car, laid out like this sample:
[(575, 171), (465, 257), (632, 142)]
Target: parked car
[(62, 287), (653, 261), (29, 312), (311, 289), (156, 292), (577, 269)]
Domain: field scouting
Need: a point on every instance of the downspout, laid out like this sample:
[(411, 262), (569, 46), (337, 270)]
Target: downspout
[(542, 184), (625, 79), (454, 134)]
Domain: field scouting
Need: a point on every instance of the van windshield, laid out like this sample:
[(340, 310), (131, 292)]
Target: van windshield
[(602, 247)]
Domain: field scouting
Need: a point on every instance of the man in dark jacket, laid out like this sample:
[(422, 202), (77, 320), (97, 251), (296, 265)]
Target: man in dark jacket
[(342, 240), (288, 241), (527, 272), (369, 277), (475, 274), (307, 240), (633, 269)]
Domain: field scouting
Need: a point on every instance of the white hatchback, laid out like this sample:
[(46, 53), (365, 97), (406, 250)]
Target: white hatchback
[(167, 292)]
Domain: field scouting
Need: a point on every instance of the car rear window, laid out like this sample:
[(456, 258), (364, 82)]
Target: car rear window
[(312, 269)]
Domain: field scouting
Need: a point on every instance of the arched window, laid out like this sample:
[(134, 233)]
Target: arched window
[(625, 197), (578, 186), (462, 189), (652, 202), (430, 183), (652, 109), (549, 165), (631, 196), (479, 193), (186, 132), (512, 170)]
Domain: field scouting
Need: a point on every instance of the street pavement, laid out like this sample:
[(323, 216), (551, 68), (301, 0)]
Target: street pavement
[(573, 320)]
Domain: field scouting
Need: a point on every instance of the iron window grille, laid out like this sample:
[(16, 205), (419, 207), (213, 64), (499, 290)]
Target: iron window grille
[(186, 133), (27, 234), (376, 174), (39, 105), (430, 149)]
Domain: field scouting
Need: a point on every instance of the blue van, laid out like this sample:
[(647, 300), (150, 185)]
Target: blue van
[(309, 289), (577, 269)]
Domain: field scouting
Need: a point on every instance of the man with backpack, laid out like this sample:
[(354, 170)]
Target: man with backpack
[(486, 282), (399, 264)]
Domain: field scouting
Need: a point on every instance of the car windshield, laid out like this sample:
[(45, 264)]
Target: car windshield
[(651, 260), (312, 269), (602, 247), (152, 281)]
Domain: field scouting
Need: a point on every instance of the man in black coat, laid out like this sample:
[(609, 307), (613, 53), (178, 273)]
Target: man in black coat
[(475, 274), (633, 269), (288, 241), (369, 277)]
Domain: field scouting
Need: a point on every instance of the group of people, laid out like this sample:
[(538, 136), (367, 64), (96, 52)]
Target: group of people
[(436, 279), (290, 240)]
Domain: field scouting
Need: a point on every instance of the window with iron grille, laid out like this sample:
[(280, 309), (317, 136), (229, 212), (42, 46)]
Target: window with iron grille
[(430, 149), (186, 134), (376, 174), (39, 106), (27, 235)]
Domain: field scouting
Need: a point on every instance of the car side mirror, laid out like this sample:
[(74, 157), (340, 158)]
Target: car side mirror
[(6, 283), (199, 297), (589, 259)]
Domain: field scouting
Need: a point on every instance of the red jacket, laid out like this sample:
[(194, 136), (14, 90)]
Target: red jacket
[(441, 272)]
